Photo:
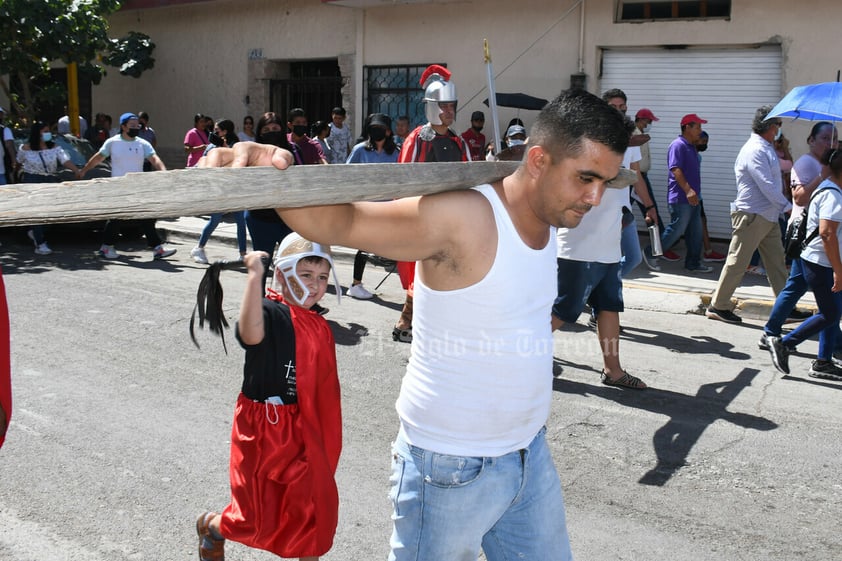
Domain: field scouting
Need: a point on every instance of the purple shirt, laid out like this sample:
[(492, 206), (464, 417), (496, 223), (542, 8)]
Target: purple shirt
[(684, 156), (311, 152)]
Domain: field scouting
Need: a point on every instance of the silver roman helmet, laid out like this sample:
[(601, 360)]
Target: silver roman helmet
[(437, 89)]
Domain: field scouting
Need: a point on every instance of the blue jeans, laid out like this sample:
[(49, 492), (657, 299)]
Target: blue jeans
[(787, 298), (38, 230), (630, 246), (826, 322), (685, 220), (265, 234), (794, 289), (213, 222), (448, 507)]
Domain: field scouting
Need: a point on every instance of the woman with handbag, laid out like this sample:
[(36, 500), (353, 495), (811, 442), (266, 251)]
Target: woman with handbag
[(822, 266), (41, 161)]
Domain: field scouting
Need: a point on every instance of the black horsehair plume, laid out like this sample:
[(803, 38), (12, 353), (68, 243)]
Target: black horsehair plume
[(209, 301)]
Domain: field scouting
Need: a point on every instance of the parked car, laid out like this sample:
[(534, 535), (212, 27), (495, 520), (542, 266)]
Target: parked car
[(79, 150)]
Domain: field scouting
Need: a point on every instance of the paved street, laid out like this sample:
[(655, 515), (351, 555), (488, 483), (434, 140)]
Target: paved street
[(121, 426)]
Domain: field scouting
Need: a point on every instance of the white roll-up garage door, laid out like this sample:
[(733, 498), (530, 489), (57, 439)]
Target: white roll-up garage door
[(724, 86)]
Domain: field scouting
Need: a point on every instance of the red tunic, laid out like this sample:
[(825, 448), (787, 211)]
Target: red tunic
[(5, 368), (421, 146), (283, 458)]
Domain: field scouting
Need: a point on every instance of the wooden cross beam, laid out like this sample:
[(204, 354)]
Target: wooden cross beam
[(197, 191)]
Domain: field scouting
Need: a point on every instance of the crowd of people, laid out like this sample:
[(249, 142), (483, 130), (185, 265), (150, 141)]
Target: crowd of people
[(560, 228)]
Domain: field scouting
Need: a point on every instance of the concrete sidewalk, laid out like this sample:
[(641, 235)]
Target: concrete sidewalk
[(754, 298)]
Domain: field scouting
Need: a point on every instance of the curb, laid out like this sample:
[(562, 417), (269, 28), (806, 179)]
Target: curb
[(749, 307)]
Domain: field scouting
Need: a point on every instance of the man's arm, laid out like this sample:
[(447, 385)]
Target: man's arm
[(410, 229), (642, 192), (692, 197), (766, 174), (95, 160), (157, 162), (10, 150)]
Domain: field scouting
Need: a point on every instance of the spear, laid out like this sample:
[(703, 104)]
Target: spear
[(492, 97)]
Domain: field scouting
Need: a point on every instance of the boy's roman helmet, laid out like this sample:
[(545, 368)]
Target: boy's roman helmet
[(293, 248), (437, 89)]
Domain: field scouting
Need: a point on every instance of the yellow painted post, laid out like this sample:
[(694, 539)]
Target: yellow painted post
[(73, 98)]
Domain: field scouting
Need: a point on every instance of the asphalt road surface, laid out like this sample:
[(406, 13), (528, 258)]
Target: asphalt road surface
[(121, 426)]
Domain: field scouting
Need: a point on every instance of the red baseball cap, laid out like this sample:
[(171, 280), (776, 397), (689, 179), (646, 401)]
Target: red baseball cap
[(646, 114), (691, 118)]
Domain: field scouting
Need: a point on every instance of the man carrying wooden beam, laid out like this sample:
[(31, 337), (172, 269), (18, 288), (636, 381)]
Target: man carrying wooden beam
[(478, 386)]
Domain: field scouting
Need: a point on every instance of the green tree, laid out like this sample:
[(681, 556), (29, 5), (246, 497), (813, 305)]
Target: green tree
[(33, 34)]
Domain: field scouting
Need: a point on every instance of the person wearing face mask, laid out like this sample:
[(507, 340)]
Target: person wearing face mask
[(40, 160), (265, 227), (474, 137), (433, 141), (708, 253), (378, 148), (754, 216), (128, 152), (807, 174), (196, 140), (223, 136), (515, 141), (643, 120), (310, 149)]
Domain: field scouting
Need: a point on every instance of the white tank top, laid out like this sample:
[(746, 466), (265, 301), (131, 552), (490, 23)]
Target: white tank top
[(479, 379)]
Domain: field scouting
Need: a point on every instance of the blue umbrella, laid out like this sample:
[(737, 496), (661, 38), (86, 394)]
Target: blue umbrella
[(816, 102)]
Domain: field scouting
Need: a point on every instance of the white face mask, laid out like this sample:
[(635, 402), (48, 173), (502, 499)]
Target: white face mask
[(515, 142), (646, 128), (779, 134)]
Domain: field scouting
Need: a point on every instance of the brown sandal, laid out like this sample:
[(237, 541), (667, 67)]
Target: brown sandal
[(210, 548), (624, 381)]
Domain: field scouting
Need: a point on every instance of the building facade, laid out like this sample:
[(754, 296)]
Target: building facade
[(718, 58)]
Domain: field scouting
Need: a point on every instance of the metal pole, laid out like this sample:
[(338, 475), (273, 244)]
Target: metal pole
[(73, 98), (492, 97)]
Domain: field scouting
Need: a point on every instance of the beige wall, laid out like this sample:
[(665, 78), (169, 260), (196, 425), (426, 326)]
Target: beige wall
[(803, 38), (202, 59), (534, 45)]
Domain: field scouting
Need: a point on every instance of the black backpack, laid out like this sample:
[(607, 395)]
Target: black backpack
[(796, 238)]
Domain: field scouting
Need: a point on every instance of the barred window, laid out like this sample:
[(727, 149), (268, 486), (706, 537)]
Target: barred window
[(395, 90)]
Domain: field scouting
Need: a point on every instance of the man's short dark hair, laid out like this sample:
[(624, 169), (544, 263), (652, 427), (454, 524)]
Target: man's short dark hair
[(615, 92), (338, 111), (574, 116), (297, 112)]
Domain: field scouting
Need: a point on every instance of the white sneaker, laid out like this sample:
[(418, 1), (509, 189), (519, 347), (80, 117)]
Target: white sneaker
[(160, 252), (43, 249), (198, 255), (108, 252), (359, 292)]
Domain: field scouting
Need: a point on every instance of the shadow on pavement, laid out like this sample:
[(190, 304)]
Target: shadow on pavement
[(678, 343), (689, 416)]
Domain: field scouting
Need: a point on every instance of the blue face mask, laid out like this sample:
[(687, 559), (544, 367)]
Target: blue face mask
[(46, 136)]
